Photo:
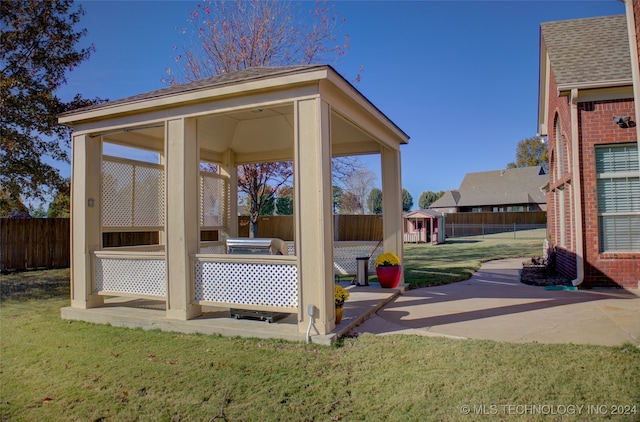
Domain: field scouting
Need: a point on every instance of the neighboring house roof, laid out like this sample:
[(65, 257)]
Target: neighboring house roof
[(588, 51), (448, 200), (498, 187)]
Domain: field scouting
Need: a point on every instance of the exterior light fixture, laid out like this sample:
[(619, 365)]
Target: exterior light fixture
[(622, 121)]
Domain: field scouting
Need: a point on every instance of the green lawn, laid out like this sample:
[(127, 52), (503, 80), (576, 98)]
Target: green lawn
[(458, 259), (55, 370)]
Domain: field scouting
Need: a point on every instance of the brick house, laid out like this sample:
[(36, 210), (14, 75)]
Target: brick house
[(586, 108)]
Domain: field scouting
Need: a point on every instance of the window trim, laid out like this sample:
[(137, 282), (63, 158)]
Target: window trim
[(610, 175)]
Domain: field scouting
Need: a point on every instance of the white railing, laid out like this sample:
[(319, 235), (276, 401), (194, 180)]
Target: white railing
[(129, 273), (415, 237), (268, 283)]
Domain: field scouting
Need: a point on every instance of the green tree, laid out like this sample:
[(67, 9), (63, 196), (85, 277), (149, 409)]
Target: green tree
[(374, 201), (269, 202), (11, 206), (61, 205), (284, 203), (39, 212), (429, 197), (407, 201), (531, 152), (38, 44), (337, 193)]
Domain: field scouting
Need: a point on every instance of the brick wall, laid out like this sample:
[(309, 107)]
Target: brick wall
[(597, 128)]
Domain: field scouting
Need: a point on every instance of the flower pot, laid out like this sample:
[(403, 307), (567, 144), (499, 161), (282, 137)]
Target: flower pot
[(388, 276), (339, 311)]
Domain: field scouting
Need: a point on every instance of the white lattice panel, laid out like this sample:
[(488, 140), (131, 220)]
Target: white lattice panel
[(291, 249), (148, 196), (247, 283), (131, 276), (117, 194), (344, 258), (213, 249), (132, 194), (213, 193)]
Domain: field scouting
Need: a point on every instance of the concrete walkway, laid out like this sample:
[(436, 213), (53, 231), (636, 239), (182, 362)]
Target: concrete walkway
[(495, 305)]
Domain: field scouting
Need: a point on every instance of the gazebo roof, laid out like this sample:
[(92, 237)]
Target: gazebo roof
[(232, 78), (250, 111)]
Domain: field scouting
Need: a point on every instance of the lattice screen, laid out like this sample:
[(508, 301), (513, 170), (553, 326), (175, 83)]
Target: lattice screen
[(291, 248), (213, 249), (344, 258), (132, 194), (131, 276), (247, 283), (213, 200)]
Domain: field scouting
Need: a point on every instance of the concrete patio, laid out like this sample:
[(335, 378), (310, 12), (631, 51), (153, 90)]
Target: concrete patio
[(150, 315), (494, 305)]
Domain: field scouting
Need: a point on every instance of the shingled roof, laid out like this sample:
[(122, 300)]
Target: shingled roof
[(497, 187), (250, 74), (588, 51)]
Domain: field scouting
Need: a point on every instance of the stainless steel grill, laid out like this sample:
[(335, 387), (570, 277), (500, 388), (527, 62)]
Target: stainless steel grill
[(256, 246)]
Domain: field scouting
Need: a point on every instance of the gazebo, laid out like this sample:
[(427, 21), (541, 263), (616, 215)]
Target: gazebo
[(302, 114)]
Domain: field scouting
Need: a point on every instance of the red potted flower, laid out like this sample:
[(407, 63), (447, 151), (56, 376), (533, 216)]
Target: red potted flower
[(388, 270)]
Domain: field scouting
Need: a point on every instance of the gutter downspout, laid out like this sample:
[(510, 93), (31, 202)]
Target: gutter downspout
[(577, 189)]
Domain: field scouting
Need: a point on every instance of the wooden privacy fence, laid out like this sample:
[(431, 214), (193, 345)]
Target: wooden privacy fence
[(519, 217), (34, 243), (346, 227), (45, 242), (480, 223)]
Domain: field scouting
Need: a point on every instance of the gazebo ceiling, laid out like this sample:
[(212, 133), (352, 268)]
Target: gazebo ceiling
[(258, 134)]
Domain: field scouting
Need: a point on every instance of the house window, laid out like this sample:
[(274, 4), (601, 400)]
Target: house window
[(618, 178), (476, 209)]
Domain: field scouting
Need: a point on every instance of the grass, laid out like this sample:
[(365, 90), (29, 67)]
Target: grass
[(457, 259), (52, 369)]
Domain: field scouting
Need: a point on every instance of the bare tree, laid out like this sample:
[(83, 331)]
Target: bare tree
[(359, 184), (350, 204), (238, 34), (233, 35)]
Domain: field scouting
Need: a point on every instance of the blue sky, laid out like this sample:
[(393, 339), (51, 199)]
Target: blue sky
[(459, 77)]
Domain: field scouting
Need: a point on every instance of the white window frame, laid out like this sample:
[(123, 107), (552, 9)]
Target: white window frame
[(618, 216)]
